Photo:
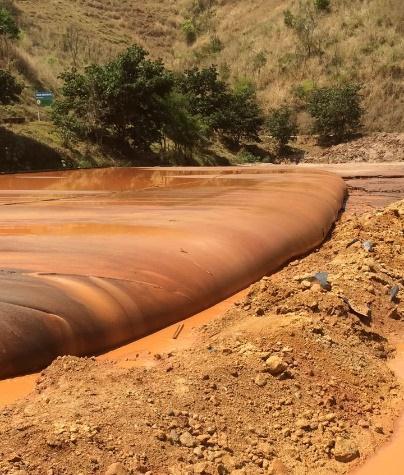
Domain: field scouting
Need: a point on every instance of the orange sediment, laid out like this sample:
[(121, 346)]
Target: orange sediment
[(389, 458), (94, 259)]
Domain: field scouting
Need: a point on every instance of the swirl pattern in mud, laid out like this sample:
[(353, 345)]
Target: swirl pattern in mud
[(93, 259)]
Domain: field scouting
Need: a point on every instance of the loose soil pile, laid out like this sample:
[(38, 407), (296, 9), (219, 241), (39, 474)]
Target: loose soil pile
[(380, 147), (293, 379)]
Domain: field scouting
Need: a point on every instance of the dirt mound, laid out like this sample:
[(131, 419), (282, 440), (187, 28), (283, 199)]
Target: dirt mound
[(293, 379), (379, 147)]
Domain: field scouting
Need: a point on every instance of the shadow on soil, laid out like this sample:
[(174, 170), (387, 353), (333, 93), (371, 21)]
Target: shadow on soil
[(21, 153)]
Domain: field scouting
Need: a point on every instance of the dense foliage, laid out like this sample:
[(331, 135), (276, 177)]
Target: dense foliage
[(336, 110), (281, 125), (120, 102), (8, 25), (134, 101), (10, 89)]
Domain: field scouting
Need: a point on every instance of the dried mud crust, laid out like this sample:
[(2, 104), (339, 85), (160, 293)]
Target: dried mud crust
[(291, 380), (379, 147)]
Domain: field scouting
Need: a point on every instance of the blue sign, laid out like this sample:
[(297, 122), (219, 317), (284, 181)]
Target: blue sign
[(44, 98)]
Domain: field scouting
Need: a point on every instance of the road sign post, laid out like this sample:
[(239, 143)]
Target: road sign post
[(43, 99)]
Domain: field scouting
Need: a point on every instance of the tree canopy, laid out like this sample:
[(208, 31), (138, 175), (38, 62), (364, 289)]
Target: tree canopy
[(336, 110), (135, 101), (120, 101)]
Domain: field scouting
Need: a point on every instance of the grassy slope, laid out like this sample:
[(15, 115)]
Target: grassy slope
[(361, 39)]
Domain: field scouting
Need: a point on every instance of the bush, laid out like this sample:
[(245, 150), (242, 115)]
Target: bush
[(10, 89), (323, 5), (215, 45), (281, 125), (189, 30), (8, 26), (336, 110), (245, 156)]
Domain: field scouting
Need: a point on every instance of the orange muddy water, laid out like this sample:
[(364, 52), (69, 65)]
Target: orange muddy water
[(92, 259)]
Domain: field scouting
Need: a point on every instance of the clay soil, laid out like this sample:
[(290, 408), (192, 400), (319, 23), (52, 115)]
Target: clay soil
[(292, 379)]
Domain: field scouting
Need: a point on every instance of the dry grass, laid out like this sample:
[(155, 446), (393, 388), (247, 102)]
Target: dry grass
[(361, 40)]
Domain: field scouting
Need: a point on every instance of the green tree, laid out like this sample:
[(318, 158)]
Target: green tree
[(244, 117), (207, 95), (305, 25), (336, 110), (281, 125), (121, 102), (181, 128), (10, 89), (234, 114)]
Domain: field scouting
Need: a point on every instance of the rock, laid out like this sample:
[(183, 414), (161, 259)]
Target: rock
[(261, 380), (260, 312), (275, 365), (200, 468), (116, 469), (173, 437), (198, 451), (279, 468), (345, 450), (187, 440), (160, 435), (394, 314), (305, 284), (363, 423), (302, 423)]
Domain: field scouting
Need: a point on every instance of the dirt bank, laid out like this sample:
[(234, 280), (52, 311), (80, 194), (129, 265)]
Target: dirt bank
[(93, 259), (293, 379), (378, 147)]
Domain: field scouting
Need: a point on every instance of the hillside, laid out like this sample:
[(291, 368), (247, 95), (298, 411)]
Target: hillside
[(359, 40)]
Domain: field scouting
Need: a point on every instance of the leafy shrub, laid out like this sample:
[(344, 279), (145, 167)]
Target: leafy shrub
[(302, 90), (259, 61), (323, 5), (8, 25), (336, 110), (281, 125), (215, 45), (189, 30), (245, 156), (10, 89)]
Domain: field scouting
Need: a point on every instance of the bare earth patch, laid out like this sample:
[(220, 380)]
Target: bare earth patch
[(293, 379)]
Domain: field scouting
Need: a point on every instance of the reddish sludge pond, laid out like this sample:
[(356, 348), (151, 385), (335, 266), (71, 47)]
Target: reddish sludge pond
[(92, 259)]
